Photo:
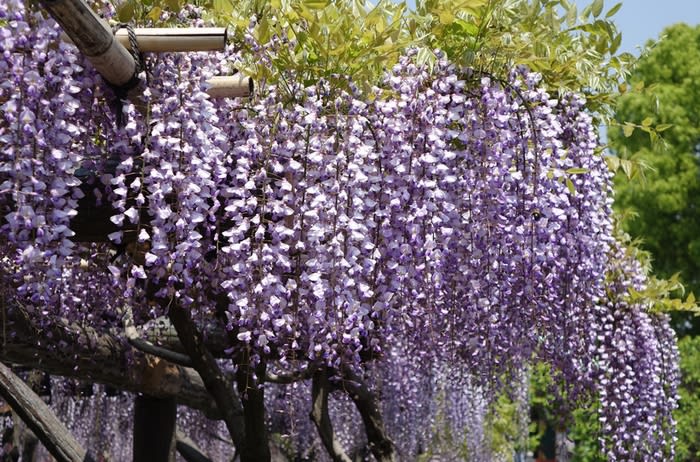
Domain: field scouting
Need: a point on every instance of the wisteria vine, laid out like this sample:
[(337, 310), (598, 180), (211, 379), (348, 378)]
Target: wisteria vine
[(453, 219)]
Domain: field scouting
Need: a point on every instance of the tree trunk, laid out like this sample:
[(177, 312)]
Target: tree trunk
[(320, 388), (154, 429), (368, 406), (205, 364), (255, 447)]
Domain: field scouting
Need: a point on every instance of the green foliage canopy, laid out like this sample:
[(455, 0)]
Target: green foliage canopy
[(662, 208), (574, 50)]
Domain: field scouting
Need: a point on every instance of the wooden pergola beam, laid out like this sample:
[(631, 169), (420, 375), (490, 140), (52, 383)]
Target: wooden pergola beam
[(109, 55), (171, 39)]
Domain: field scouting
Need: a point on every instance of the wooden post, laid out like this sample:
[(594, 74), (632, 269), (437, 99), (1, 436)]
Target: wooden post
[(154, 429), (172, 39), (94, 39)]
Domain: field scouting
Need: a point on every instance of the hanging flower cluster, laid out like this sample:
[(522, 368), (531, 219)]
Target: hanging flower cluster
[(452, 218), (44, 97), (637, 372)]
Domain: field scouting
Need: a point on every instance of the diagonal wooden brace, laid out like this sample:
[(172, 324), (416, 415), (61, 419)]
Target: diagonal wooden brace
[(94, 39)]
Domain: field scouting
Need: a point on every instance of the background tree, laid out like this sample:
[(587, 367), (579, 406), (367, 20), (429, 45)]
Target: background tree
[(688, 414), (662, 207), (665, 211)]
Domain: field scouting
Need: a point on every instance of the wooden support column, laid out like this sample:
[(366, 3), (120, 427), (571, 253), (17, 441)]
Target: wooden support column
[(154, 429), (94, 39)]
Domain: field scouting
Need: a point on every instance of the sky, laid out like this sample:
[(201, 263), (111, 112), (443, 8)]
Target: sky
[(642, 20)]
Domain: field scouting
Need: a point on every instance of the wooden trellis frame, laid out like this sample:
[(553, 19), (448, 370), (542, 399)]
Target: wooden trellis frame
[(170, 39), (109, 55)]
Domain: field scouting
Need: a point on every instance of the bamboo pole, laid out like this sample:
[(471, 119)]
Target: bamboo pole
[(114, 62), (94, 39), (230, 86), (161, 40)]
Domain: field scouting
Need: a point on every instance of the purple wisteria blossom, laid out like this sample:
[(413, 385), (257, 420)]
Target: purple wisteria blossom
[(436, 237)]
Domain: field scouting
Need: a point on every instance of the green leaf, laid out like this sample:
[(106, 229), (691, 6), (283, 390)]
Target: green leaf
[(470, 6), (647, 122), (469, 28), (223, 7), (571, 14), (126, 11), (570, 185), (616, 42), (611, 12), (154, 14), (613, 163), (316, 4), (628, 129), (662, 127), (627, 167), (426, 57), (597, 8), (173, 5), (446, 17), (576, 171)]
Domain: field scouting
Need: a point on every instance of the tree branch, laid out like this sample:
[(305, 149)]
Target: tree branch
[(40, 419), (161, 332), (285, 378), (256, 447), (189, 450), (366, 403), (320, 387), (205, 363), (135, 340), (101, 358)]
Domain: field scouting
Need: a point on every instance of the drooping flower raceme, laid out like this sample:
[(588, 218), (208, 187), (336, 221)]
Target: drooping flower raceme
[(637, 374), (452, 219)]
